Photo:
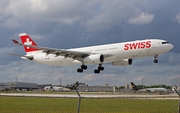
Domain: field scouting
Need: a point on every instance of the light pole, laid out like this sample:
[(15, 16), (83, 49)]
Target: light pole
[(142, 82)]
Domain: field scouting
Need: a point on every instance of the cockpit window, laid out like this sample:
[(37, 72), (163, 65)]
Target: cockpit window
[(165, 42)]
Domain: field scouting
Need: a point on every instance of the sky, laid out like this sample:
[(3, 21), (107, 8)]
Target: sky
[(77, 23)]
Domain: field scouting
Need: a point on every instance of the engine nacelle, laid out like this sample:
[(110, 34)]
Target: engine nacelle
[(123, 62), (94, 59), (28, 57)]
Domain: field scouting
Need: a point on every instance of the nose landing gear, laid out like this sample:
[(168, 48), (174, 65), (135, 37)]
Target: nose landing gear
[(155, 59)]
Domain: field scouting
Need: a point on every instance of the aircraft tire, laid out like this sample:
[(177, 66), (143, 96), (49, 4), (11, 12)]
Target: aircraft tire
[(155, 61), (96, 71), (101, 68), (84, 67), (79, 70)]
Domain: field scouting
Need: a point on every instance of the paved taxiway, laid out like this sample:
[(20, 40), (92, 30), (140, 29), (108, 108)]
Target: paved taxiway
[(90, 96)]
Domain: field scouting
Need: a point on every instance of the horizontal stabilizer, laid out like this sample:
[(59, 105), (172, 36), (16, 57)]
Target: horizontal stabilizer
[(27, 57)]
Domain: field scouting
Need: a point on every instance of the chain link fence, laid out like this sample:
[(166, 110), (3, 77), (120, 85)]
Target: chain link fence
[(19, 103)]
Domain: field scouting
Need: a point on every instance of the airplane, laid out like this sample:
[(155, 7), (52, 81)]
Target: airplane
[(119, 54), (151, 90), (56, 88)]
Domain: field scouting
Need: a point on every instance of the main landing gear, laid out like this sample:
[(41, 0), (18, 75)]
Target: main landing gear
[(83, 67), (96, 71), (100, 68), (155, 59)]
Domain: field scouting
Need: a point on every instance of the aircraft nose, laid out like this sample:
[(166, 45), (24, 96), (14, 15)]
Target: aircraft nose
[(171, 46)]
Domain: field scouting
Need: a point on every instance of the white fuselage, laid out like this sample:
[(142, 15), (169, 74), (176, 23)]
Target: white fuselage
[(154, 90), (118, 51)]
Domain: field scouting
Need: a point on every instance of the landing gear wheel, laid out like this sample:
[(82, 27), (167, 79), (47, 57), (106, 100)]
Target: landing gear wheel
[(96, 71), (84, 67), (155, 61), (79, 70), (101, 68)]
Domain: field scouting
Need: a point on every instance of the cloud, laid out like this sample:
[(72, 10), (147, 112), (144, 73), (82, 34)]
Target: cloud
[(63, 12), (161, 72), (38, 5), (88, 77), (110, 14), (172, 77), (177, 18), (69, 24), (139, 78), (36, 36), (140, 71), (143, 18)]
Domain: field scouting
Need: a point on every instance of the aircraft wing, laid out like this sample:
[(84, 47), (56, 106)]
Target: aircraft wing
[(78, 55)]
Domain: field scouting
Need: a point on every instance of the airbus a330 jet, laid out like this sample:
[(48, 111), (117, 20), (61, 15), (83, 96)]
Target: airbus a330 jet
[(119, 54)]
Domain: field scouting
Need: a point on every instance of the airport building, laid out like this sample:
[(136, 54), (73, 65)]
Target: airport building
[(5, 86), (1, 86), (17, 85)]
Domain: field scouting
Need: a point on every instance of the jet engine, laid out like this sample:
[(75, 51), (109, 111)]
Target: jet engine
[(94, 59), (123, 62), (28, 57)]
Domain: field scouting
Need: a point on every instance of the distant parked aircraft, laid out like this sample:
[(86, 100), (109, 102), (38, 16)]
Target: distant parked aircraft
[(148, 89), (56, 88)]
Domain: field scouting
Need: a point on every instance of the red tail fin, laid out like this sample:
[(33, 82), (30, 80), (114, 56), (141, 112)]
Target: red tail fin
[(28, 41)]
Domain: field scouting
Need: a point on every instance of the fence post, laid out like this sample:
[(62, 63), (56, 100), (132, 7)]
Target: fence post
[(179, 106), (79, 96), (175, 90), (79, 101)]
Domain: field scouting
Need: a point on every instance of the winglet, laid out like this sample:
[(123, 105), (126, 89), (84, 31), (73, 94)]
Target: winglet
[(15, 41)]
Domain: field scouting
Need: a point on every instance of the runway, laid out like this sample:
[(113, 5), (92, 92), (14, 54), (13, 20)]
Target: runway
[(172, 97)]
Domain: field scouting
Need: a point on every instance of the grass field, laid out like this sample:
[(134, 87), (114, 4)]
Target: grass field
[(88, 105)]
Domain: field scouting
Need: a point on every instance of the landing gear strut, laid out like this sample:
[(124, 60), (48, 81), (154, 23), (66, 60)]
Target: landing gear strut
[(83, 67), (155, 59), (100, 68)]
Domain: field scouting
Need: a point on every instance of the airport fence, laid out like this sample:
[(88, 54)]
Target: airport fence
[(93, 103)]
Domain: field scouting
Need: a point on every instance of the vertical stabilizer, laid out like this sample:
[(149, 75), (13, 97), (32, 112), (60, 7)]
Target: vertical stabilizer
[(28, 41), (134, 86)]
